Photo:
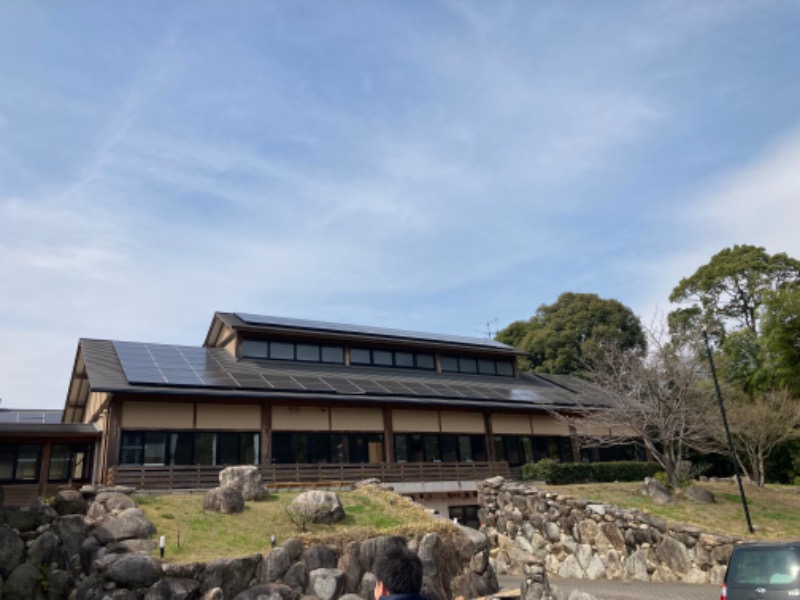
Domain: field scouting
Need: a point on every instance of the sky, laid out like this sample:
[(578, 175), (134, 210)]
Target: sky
[(443, 166)]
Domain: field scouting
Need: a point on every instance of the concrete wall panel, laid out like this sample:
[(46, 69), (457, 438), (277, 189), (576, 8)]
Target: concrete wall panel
[(227, 417), (462, 422), (300, 418), (357, 419), (505, 424), (415, 421), (157, 415)]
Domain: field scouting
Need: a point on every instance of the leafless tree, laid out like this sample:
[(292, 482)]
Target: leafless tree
[(658, 398)]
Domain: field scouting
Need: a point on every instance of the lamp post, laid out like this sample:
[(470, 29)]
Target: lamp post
[(727, 431)]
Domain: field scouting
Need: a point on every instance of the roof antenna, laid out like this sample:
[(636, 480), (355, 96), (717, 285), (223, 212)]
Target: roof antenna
[(488, 333)]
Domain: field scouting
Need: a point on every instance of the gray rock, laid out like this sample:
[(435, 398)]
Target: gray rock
[(587, 531), (70, 502), (12, 551), (351, 567), (23, 584), (72, 531), (367, 586), (232, 575), (45, 549), (294, 548), (109, 502), (182, 570), (295, 577), (478, 539), (246, 479), (268, 591), (326, 584), (613, 535), (552, 531), (320, 506), (133, 571), (429, 551), (88, 552), (674, 554), (59, 584), (320, 557), (214, 594), (596, 568), (700, 495), (579, 595), (584, 554), (130, 523), (173, 589), (571, 568), (273, 565), (225, 500), (133, 546), (656, 491), (636, 566), (374, 547)]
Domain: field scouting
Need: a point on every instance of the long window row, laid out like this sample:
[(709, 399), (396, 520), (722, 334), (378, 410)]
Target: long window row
[(403, 359), (522, 449), (316, 448), (22, 462), (154, 448), (414, 447), (291, 351)]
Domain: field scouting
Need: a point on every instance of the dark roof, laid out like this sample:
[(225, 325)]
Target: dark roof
[(142, 368), (49, 429), (285, 324)]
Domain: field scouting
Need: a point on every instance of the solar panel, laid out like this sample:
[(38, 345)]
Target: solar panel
[(161, 364), (343, 386), (304, 324)]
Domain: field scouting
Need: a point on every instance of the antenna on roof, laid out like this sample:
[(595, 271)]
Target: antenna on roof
[(489, 333)]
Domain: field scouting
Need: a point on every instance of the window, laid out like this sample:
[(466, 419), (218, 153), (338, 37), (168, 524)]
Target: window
[(467, 365), (322, 448), (449, 364), (425, 361), (333, 354), (382, 358), (302, 352), (404, 359), (360, 356), (308, 352), (487, 367), (151, 448), (20, 462), (281, 351), (254, 349), (70, 462), (414, 447), (505, 368)]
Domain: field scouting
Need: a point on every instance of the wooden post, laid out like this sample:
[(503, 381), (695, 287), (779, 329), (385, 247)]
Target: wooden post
[(388, 435), (266, 434), (487, 424), (44, 467)]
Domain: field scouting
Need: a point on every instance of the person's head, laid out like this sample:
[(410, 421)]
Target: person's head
[(398, 571)]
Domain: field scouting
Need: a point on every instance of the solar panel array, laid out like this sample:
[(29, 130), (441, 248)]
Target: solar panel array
[(187, 366), (290, 323)]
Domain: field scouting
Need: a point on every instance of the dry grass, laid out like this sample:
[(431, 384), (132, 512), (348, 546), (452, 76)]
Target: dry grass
[(774, 510), (193, 534)]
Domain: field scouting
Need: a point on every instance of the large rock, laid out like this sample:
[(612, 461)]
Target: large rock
[(59, 584), (701, 495), (571, 568), (636, 566), (226, 500), (45, 549), (23, 584), (268, 591), (674, 554), (128, 524), (656, 491), (12, 551), (246, 479), (70, 502), (173, 589), (294, 548), (133, 571), (273, 566), (109, 502), (295, 577), (326, 584), (231, 575), (351, 567), (320, 557), (318, 506)]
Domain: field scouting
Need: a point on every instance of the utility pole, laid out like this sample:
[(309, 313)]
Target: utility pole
[(727, 431)]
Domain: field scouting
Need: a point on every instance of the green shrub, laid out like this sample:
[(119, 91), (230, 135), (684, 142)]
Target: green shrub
[(556, 473)]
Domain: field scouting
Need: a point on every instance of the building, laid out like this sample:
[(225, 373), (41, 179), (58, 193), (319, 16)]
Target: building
[(314, 402)]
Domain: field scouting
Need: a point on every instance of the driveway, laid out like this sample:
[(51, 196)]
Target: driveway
[(624, 590)]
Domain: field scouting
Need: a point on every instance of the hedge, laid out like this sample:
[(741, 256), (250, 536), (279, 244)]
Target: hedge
[(557, 473)]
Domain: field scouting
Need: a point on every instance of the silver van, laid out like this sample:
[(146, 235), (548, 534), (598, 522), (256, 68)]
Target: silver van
[(763, 572)]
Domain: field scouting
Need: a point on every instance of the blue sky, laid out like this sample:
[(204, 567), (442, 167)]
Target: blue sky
[(421, 165)]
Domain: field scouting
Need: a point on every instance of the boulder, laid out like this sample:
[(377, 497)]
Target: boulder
[(45, 549), (674, 554), (231, 575), (656, 491), (428, 552), (320, 557), (70, 502), (571, 568), (294, 548), (295, 577), (319, 506), (133, 571), (59, 584), (72, 531), (273, 566), (225, 500), (351, 567), (636, 566), (374, 547), (133, 546), (701, 495), (246, 479), (128, 524), (109, 502), (12, 551), (367, 586), (173, 589), (268, 591), (23, 584), (326, 584)]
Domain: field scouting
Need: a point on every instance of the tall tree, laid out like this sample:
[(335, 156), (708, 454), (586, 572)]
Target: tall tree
[(735, 283), (781, 334), (559, 334)]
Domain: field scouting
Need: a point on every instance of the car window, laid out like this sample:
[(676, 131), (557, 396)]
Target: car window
[(766, 566)]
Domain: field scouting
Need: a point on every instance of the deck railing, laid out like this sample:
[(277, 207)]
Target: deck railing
[(206, 477)]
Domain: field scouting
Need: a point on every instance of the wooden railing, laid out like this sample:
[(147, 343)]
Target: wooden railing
[(206, 477)]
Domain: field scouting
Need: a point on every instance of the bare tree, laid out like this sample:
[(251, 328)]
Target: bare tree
[(656, 398), (758, 425), (304, 514)]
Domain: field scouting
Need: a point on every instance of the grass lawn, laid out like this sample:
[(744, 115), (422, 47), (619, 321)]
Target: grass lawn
[(774, 510), (193, 534)]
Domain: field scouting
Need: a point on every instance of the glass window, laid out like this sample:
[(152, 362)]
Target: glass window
[(227, 449), (181, 447), (400, 448), (486, 367), (382, 358), (28, 462), (478, 443), (449, 364), (499, 449), (254, 349), (333, 354), (281, 351), (360, 356), (131, 448), (70, 462), (249, 448), (416, 448), (60, 460), (282, 448), (513, 454), (564, 445), (467, 365), (205, 449), (432, 453), (464, 448), (359, 448), (8, 458), (319, 448), (505, 368), (155, 449), (375, 443), (425, 361), (308, 352), (541, 447), (527, 449), (404, 359), (449, 446)]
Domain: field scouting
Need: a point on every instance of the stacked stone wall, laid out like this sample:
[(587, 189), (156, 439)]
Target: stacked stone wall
[(574, 537)]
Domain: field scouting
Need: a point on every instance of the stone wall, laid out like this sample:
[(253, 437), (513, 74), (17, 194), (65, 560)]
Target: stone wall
[(95, 545), (578, 538)]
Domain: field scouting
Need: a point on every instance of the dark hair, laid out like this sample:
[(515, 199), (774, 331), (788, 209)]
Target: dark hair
[(400, 570)]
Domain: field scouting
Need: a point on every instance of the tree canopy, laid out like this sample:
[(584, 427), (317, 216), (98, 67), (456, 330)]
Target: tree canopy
[(558, 336)]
